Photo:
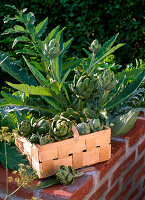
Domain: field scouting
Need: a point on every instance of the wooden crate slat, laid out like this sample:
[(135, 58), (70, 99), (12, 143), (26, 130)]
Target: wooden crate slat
[(35, 154), (91, 143), (77, 161), (63, 151), (91, 157), (48, 154), (105, 152), (48, 168), (64, 161)]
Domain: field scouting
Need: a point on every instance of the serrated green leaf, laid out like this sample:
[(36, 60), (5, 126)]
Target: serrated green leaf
[(37, 74), (20, 39), (72, 64), (39, 90), (65, 76), (59, 35), (11, 6), (107, 45), (40, 28), (30, 23), (10, 30), (56, 66), (11, 99), (127, 92), (133, 72), (51, 35), (66, 45), (26, 51), (10, 66), (42, 54), (14, 158), (19, 28)]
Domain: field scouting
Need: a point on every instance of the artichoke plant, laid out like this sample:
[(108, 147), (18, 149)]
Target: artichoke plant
[(66, 175), (24, 128), (61, 128)]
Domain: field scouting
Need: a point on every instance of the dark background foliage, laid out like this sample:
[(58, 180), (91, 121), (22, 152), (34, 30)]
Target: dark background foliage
[(88, 20)]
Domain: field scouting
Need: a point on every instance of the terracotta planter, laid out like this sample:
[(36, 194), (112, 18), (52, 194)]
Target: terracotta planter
[(77, 152)]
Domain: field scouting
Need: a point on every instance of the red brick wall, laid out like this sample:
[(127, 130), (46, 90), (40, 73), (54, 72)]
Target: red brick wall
[(123, 176)]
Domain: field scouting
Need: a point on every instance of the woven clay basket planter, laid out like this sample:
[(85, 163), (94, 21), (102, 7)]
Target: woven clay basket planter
[(79, 151)]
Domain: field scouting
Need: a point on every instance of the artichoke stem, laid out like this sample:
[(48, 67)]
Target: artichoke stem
[(104, 97)]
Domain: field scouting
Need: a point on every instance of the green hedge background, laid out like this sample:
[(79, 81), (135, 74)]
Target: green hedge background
[(87, 20)]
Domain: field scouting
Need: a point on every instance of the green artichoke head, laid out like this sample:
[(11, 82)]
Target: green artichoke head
[(61, 128), (52, 49), (95, 125), (24, 128), (85, 87), (107, 80), (42, 126), (95, 46), (65, 175), (83, 128)]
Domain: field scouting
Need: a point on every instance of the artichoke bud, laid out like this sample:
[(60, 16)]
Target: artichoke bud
[(83, 128), (52, 49), (61, 128), (52, 43), (95, 46), (94, 125), (24, 128), (108, 80), (85, 88), (65, 175), (43, 126)]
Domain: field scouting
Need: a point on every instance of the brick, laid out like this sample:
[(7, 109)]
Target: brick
[(133, 194), (99, 191), (133, 170), (80, 188), (142, 196), (117, 151), (136, 132), (112, 192), (141, 114), (140, 174), (141, 147), (124, 192), (125, 165)]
